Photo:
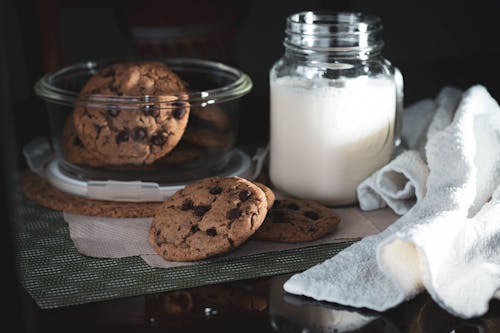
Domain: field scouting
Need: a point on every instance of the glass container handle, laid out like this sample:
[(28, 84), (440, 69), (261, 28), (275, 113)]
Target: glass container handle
[(38, 154)]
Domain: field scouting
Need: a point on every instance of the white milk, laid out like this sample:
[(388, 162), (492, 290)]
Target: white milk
[(326, 139)]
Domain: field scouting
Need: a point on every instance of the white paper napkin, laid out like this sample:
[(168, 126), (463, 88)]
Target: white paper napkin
[(449, 241), (105, 237)]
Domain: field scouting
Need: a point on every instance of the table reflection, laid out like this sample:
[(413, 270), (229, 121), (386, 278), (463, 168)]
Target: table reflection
[(290, 313), (257, 305)]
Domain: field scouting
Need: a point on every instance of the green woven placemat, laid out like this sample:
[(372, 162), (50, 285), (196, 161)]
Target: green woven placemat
[(56, 275)]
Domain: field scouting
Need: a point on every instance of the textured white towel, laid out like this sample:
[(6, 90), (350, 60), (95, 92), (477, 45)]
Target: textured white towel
[(401, 183), (448, 243)]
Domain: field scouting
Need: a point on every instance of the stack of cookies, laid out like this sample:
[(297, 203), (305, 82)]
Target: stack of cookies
[(137, 113), (216, 215)]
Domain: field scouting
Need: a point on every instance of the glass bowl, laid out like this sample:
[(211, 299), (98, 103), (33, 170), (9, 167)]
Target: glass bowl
[(214, 92)]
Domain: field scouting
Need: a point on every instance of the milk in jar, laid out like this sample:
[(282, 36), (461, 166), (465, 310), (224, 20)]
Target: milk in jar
[(326, 139), (334, 106)]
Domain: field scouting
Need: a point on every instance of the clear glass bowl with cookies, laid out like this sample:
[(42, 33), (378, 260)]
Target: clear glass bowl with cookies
[(164, 120)]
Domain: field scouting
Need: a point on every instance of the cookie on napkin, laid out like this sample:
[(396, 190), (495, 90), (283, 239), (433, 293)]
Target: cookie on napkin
[(294, 221), (268, 192), (206, 218)]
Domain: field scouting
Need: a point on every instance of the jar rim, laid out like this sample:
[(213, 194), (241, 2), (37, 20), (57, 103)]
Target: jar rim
[(345, 34), (239, 86), (329, 22)]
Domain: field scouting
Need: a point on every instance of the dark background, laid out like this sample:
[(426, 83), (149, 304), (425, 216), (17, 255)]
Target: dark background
[(434, 43)]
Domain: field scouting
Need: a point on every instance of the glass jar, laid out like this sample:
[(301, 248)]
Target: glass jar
[(334, 105)]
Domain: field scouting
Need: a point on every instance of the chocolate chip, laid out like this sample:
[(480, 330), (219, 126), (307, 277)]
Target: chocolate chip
[(194, 228), (312, 215), (233, 213), (98, 129), (139, 133), (312, 229), (231, 242), (278, 216), (151, 110), (122, 137), (178, 103), (277, 213), (201, 210), (159, 139), (244, 195), (113, 110), (113, 88), (77, 142), (187, 205), (216, 190), (276, 203), (293, 206), (158, 244), (158, 232), (212, 232), (179, 113)]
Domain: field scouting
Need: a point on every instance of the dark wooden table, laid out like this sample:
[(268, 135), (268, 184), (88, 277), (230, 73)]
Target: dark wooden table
[(258, 305)]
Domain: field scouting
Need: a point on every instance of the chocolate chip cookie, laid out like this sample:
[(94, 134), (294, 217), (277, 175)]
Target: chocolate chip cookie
[(207, 218), (294, 221), (209, 138), (212, 115), (73, 149), (183, 153), (132, 113), (268, 192)]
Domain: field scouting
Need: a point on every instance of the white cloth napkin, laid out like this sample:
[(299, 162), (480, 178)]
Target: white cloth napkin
[(401, 183), (449, 241)]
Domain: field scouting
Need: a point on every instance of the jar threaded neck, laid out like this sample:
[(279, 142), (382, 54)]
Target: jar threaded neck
[(345, 34)]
